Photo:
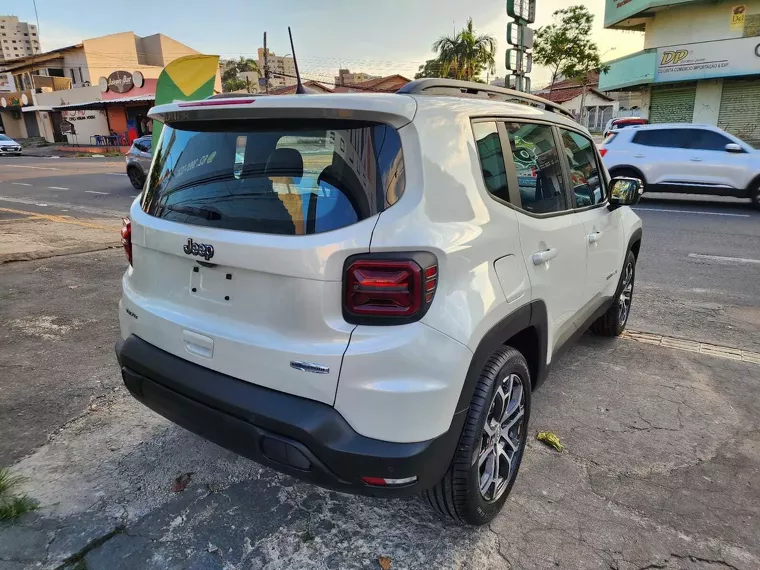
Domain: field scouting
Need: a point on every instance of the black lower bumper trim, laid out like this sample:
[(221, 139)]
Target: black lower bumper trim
[(295, 435)]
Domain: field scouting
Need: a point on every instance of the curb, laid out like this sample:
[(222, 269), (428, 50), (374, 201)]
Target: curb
[(33, 255)]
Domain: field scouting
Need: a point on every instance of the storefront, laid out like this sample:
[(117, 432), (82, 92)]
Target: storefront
[(701, 65), (14, 122)]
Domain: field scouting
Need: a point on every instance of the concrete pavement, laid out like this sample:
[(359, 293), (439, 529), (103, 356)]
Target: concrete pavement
[(660, 469)]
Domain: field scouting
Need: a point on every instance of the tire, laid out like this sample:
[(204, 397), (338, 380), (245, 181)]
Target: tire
[(136, 177), (754, 194), (613, 322), (458, 495)]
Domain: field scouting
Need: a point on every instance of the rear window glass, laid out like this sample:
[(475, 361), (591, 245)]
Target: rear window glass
[(276, 178)]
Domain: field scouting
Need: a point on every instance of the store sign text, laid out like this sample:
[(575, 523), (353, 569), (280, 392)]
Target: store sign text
[(710, 59)]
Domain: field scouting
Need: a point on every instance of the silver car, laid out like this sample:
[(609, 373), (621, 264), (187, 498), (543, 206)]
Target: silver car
[(8, 146), (138, 161)]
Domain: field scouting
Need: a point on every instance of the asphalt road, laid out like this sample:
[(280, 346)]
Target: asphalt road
[(94, 187), (700, 260)]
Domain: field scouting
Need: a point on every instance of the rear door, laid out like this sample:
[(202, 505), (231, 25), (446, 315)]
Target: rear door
[(664, 154), (240, 239), (551, 234)]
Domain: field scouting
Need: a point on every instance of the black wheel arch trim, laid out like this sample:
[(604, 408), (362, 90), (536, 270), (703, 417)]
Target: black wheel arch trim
[(635, 238), (530, 316), (628, 167)]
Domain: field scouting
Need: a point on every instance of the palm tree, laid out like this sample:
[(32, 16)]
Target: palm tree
[(466, 54)]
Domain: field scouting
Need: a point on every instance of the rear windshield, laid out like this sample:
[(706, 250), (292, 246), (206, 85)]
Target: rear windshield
[(275, 177)]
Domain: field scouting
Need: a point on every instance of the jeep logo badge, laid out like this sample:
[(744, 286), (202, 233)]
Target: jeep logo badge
[(204, 250)]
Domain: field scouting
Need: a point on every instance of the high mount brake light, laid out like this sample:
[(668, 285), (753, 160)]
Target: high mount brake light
[(216, 102), (388, 290)]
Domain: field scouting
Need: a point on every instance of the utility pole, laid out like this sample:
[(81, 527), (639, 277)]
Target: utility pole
[(520, 36), (266, 65)]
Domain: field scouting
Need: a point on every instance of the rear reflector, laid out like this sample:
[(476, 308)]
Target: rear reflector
[(126, 238), (380, 482), (216, 102)]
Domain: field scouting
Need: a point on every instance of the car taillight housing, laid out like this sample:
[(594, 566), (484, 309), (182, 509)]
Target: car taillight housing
[(126, 238), (602, 151), (382, 289)]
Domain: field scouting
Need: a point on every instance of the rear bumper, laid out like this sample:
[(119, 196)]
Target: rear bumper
[(301, 437)]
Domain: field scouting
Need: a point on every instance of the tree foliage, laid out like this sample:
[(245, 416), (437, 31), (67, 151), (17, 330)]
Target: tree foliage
[(464, 55), (565, 46), (233, 67)]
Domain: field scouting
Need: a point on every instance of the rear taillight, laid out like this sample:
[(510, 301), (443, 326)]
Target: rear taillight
[(389, 290), (602, 151), (126, 238)]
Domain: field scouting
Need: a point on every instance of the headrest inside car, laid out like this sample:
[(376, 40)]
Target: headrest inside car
[(285, 162)]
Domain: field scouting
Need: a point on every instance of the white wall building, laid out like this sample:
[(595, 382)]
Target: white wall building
[(281, 68), (17, 39), (700, 62)]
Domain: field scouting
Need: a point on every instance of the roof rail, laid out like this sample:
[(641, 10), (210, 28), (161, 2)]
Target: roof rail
[(455, 88)]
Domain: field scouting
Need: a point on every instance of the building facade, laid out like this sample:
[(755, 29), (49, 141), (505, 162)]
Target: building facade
[(17, 39), (102, 87), (700, 62), (282, 70), (345, 77)]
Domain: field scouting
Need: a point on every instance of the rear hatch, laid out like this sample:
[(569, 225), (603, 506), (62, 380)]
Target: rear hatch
[(249, 213)]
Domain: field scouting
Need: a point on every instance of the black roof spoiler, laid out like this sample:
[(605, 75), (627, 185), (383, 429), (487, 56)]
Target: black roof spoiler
[(455, 88)]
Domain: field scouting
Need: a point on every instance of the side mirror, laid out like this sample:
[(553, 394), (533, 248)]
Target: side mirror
[(625, 191), (733, 147)]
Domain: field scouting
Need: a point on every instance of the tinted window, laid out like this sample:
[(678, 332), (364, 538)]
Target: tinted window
[(539, 174), (670, 138), (278, 178), (701, 139), (585, 176), (491, 159)]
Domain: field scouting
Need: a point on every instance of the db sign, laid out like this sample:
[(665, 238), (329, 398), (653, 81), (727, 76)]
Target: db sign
[(673, 57)]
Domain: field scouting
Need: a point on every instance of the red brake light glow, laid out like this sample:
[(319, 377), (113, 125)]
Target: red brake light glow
[(126, 238)]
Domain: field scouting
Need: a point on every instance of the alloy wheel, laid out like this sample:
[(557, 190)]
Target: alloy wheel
[(626, 294), (501, 440)]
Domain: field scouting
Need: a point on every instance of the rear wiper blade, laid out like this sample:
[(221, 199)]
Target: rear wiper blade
[(206, 213)]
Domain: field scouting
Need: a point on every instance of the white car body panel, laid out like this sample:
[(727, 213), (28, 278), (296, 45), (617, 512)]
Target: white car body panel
[(393, 383)]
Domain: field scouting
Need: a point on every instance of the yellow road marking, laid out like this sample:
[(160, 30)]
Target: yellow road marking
[(61, 219)]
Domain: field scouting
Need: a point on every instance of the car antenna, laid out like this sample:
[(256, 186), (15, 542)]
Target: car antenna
[(300, 89)]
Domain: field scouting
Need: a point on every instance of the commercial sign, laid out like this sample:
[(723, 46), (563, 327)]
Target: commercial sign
[(118, 82), (616, 11), (738, 14), (724, 58)]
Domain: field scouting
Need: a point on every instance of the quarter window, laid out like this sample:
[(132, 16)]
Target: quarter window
[(539, 174), (585, 174), (491, 159)]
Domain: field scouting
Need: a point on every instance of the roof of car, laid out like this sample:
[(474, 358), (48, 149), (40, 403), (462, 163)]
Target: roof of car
[(658, 126)]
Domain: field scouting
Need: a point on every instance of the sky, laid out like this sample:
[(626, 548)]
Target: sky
[(382, 37)]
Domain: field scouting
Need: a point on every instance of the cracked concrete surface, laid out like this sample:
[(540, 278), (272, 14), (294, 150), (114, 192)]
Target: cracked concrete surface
[(661, 467)]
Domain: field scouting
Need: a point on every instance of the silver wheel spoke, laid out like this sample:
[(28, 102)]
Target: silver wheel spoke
[(484, 455), (508, 426), (489, 429)]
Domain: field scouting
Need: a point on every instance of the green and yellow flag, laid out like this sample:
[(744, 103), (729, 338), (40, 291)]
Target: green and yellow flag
[(185, 79)]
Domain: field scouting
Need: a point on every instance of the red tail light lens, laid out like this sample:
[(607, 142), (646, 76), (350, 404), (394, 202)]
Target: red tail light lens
[(126, 238), (602, 151), (389, 291)]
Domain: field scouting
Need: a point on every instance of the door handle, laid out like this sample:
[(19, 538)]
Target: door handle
[(695, 159), (543, 256), (594, 237), (638, 156)]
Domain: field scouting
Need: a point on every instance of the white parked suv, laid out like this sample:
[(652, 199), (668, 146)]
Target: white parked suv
[(682, 157), (363, 290)]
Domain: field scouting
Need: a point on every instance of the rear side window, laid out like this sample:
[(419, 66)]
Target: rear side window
[(276, 178), (539, 174), (666, 138), (610, 137), (491, 159)]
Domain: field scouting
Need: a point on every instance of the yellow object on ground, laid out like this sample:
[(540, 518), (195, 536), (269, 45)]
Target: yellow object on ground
[(550, 439)]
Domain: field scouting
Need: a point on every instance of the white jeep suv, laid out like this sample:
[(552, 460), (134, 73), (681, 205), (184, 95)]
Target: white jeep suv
[(363, 290), (687, 158)]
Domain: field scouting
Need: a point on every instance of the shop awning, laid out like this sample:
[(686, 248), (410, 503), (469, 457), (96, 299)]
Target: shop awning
[(149, 98), (32, 108)]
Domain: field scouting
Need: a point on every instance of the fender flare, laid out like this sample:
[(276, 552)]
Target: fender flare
[(532, 315)]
